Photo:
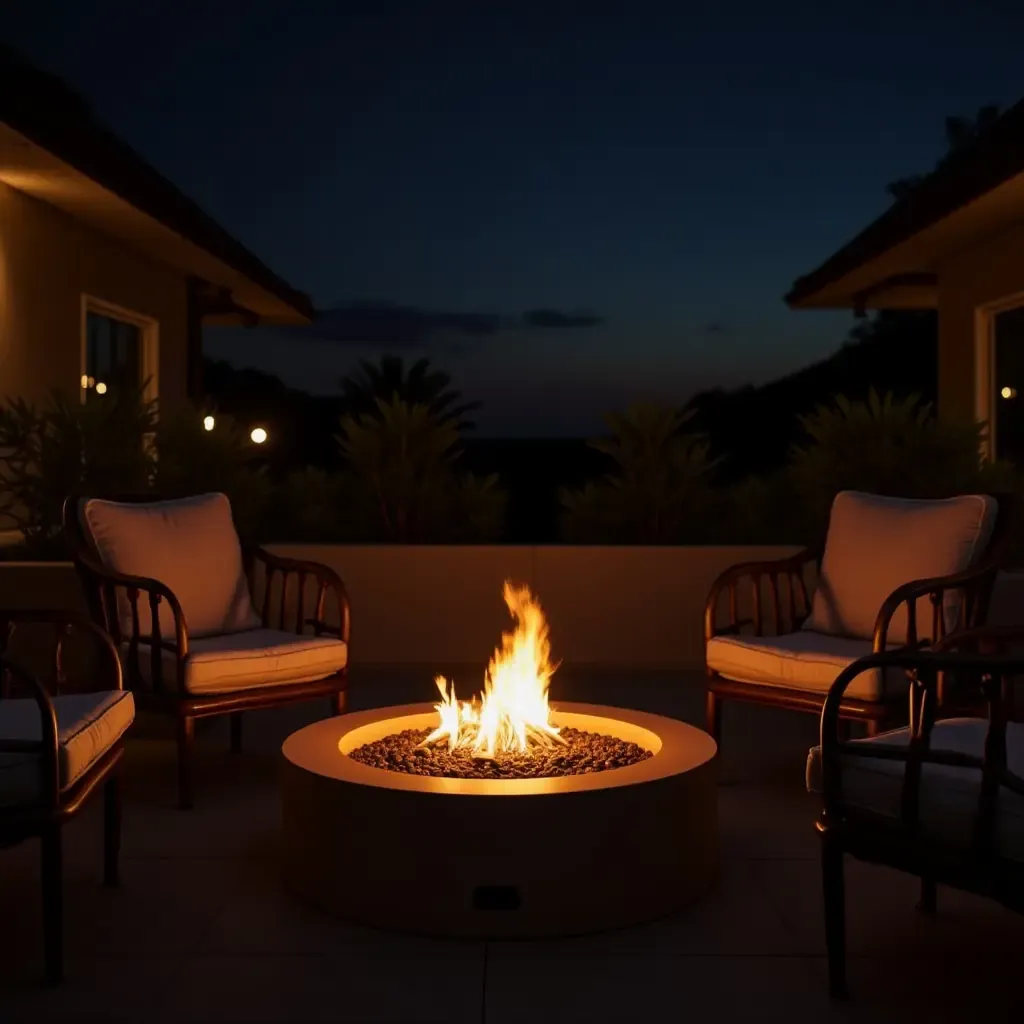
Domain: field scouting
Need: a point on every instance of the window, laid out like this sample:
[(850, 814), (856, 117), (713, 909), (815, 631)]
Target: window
[(1008, 381), (119, 351)]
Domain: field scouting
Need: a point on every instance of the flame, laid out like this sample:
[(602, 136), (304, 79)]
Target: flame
[(512, 714)]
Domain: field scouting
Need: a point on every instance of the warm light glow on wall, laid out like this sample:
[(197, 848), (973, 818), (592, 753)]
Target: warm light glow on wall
[(1009, 392), (258, 435), (208, 423)]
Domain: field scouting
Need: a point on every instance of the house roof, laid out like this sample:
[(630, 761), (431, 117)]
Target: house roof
[(53, 146), (949, 206)]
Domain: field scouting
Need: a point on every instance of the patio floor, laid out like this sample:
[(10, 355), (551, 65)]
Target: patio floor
[(201, 929)]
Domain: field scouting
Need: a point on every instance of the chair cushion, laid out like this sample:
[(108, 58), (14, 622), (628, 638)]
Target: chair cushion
[(190, 545), (88, 725), (876, 544), (800, 661), (948, 795), (255, 658)]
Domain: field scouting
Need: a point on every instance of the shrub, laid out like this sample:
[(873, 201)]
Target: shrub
[(64, 447), (402, 483), (659, 491), (886, 446)]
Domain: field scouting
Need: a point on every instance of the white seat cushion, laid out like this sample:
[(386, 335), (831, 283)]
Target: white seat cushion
[(801, 661), (257, 657), (190, 545), (88, 725), (948, 795), (876, 544)]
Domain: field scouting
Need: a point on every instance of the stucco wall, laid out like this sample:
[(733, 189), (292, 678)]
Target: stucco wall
[(983, 274), (48, 261)]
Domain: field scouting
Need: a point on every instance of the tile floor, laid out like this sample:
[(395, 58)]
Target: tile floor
[(201, 930)]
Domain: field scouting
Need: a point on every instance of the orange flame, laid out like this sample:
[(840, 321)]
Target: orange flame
[(512, 714)]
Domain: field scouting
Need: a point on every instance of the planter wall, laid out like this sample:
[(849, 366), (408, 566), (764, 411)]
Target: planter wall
[(609, 607)]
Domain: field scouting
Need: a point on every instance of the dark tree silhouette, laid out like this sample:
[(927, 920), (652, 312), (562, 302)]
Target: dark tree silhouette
[(420, 384), (961, 134)]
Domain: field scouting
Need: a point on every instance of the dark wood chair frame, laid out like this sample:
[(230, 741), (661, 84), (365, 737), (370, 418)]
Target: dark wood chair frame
[(44, 817), (790, 604), (102, 585), (972, 658)]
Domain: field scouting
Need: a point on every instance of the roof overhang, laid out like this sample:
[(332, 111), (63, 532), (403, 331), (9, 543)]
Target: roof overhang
[(255, 293), (894, 263)]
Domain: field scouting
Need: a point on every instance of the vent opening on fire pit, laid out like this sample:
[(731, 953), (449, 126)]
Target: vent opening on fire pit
[(506, 733)]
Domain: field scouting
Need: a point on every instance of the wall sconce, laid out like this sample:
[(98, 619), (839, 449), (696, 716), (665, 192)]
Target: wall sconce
[(208, 423)]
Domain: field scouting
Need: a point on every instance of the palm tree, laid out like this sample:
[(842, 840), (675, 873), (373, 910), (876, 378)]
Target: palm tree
[(421, 384)]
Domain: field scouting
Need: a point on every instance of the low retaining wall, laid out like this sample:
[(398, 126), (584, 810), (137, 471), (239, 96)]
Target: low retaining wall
[(609, 607)]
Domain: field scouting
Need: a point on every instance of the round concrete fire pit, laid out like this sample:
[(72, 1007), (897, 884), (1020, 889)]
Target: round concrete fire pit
[(501, 857)]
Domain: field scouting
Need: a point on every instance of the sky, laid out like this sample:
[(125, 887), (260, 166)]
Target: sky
[(568, 214)]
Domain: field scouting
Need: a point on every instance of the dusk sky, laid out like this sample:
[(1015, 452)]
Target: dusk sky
[(618, 201)]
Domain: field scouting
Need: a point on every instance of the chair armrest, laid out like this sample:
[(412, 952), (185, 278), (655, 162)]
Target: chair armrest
[(48, 745), (104, 583), (976, 583), (791, 568), (64, 624), (328, 582)]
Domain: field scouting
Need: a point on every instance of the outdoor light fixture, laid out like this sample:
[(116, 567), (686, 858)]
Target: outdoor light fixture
[(208, 423), (101, 388), (1009, 392), (258, 435), (85, 381)]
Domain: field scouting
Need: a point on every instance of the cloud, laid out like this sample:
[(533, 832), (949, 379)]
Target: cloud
[(387, 326), (553, 318)]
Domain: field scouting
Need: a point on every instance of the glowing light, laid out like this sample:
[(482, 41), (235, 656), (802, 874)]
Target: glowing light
[(85, 381), (101, 388), (90, 382), (208, 423), (258, 435), (1009, 392)]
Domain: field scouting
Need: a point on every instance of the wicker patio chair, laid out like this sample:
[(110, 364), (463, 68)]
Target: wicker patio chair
[(895, 573), (942, 798), (174, 586), (57, 751)]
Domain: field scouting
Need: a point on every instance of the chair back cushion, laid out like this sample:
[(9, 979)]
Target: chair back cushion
[(876, 544), (190, 545)]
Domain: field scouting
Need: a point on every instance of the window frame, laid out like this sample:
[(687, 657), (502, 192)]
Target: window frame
[(149, 335)]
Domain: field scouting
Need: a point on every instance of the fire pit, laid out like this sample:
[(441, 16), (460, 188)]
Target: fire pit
[(502, 816)]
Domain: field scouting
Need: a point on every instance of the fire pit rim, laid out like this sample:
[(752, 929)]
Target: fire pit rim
[(317, 749)]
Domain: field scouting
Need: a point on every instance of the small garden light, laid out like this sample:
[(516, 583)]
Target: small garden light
[(258, 435), (1009, 392), (101, 388), (208, 423)]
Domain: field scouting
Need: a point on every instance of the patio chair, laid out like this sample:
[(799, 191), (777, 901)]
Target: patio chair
[(174, 586), (942, 799), (57, 752), (895, 573)]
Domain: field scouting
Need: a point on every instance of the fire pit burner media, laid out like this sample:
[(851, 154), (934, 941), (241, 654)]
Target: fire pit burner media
[(581, 754)]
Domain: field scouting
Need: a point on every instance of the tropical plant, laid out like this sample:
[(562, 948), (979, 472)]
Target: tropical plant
[(659, 490), (402, 481), (420, 384), (887, 446), (62, 447)]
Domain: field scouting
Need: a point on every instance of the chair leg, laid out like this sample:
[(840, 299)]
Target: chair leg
[(713, 712), (53, 904), (872, 727), (235, 719), (186, 736), (929, 897), (835, 914), (112, 830), (338, 701)]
